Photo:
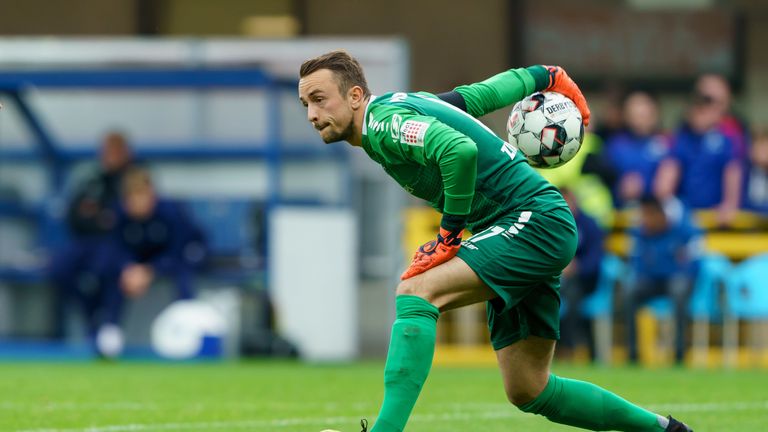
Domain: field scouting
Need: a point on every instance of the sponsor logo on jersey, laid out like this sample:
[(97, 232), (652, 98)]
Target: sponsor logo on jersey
[(395, 130), (376, 125), (412, 132)]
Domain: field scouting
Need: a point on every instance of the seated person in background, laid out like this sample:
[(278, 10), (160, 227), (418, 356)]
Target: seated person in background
[(704, 169), (636, 152), (664, 249), (155, 237), (756, 178), (579, 278), (75, 270)]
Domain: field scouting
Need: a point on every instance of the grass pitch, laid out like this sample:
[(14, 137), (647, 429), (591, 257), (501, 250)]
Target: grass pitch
[(280, 396)]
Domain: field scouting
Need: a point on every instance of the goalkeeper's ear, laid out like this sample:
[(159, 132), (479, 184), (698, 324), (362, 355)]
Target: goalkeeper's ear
[(356, 97)]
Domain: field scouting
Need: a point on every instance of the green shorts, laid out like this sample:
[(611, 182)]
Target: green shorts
[(521, 257)]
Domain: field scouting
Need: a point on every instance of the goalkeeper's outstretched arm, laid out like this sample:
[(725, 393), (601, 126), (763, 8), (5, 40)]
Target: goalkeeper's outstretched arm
[(509, 87), (502, 90)]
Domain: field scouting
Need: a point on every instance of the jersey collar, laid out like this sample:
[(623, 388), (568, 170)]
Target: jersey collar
[(365, 116)]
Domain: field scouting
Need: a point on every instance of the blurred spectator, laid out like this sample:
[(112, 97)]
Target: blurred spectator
[(610, 119), (716, 90), (589, 175), (756, 178), (155, 238), (635, 152), (580, 278), (664, 248), (92, 211), (585, 175), (76, 269), (704, 169)]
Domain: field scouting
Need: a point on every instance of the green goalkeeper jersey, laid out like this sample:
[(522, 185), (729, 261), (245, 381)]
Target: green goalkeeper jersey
[(447, 157)]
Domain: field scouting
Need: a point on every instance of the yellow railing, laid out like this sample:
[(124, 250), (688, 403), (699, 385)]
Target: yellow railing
[(462, 334), (745, 237)]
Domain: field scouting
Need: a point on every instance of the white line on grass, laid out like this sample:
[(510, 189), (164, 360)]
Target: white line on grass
[(276, 423), (418, 418), (708, 406), (149, 406), (78, 406)]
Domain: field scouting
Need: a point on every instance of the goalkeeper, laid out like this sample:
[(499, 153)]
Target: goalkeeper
[(524, 235)]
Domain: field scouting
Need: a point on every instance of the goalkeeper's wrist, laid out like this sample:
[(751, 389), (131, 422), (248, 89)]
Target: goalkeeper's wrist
[(540, 76), (453, 223)]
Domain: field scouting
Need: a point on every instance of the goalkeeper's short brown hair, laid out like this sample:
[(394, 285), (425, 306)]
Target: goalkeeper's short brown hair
[(346, 69)]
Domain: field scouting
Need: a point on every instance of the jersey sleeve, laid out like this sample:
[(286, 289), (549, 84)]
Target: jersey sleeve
[(500, 90), (425, 140)]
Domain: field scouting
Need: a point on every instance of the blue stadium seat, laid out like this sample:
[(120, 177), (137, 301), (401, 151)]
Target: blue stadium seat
[(599, 306), (747, 289), (232, 229), (661, 307), (704, 306), (47, 225), (600, 302), (746, 300), (712, 272), (225, 223)]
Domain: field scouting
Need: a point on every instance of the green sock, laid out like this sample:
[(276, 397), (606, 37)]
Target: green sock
[(408, 361), (585, 405)]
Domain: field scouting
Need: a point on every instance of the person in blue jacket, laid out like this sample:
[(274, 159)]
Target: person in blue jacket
[(663, 254), (704, 169), (579, 278), (756, 175), (76, 267), (154, 238), (636, 152)]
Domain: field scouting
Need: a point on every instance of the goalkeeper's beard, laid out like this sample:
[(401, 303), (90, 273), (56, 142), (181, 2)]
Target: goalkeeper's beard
[(347, 133)]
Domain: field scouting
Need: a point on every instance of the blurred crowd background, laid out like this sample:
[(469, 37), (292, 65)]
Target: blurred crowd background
[(153, 151)]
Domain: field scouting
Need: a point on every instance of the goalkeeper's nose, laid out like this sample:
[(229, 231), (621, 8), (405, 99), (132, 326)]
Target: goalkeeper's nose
[(312, 116)]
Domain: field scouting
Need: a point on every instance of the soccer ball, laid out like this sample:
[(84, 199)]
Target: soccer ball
[(546, 128)]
